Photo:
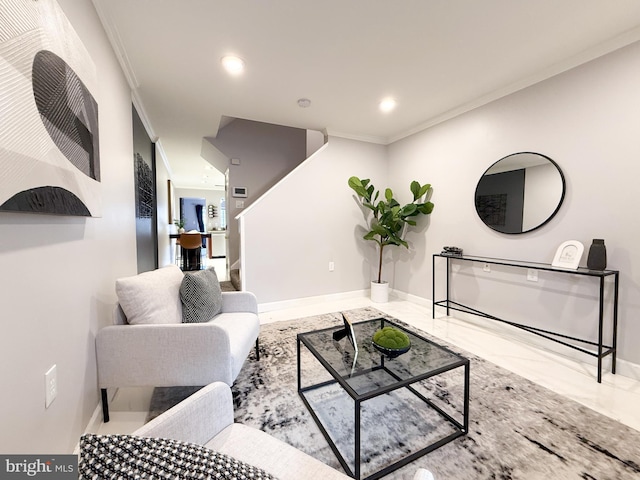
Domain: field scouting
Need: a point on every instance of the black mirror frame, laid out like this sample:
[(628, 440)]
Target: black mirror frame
[(553, 214)]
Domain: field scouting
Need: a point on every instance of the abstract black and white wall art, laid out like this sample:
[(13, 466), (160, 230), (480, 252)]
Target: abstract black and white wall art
[(49, 142), (145, 195)]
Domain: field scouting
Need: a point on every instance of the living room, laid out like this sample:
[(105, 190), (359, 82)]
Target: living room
[(60, 272)]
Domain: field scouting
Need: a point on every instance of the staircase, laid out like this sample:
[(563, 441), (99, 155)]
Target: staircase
[(235, 279)]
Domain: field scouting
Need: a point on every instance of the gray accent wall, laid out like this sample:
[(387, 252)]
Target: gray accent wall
[(144, 164), (265, 153)]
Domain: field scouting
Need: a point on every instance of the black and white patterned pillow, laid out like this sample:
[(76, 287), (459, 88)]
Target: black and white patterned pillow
[(201, 296), (129, 456)]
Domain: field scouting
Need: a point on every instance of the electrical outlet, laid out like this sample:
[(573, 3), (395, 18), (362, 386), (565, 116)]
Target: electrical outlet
[(532, 275), (486, 267), (332, 266), (239, 203), (50, 386)]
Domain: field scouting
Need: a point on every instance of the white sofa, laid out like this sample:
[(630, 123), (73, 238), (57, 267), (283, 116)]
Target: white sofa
[(159, 350), (206, 418)]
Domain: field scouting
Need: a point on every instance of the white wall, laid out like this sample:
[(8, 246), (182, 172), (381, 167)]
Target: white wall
[(58, 277), (315, 140), (309, 220), (588, 121), (165, 225)]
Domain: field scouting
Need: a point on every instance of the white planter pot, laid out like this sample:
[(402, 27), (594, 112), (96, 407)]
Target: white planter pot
[(380, 292)]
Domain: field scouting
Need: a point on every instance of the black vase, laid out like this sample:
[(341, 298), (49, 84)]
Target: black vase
[(597, 259)]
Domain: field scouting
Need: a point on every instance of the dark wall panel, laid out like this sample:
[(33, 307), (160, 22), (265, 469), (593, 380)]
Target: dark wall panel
[(144, 164)]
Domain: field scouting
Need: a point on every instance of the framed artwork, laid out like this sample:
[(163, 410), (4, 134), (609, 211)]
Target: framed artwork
[(49, 139), (145, 191), (492, 209), (568, 254)]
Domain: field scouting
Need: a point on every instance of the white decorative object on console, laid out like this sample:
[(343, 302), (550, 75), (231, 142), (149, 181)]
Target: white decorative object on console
[(568, 254)]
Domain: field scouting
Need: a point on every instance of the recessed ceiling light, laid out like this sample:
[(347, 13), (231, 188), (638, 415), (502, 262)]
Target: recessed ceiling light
[(387, 104), (232, 64)]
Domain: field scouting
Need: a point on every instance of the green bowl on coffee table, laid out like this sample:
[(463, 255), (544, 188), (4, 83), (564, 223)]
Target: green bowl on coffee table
[(391, 341)]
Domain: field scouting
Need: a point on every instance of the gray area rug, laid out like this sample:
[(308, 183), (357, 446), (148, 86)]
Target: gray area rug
[(517, 430)]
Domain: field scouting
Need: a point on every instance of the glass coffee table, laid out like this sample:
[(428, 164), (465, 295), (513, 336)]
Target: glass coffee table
[(378, 411)]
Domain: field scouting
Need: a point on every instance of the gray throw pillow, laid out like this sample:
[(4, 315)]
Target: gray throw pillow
[(129, 456), (200, 295)]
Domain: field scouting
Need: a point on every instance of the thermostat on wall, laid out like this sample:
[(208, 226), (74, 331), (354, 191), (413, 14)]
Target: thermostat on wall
[(239, 191)]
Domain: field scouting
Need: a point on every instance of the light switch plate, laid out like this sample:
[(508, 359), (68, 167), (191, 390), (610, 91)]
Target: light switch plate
[(50, 386)]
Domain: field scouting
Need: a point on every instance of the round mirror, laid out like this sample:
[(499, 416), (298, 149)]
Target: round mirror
[(520, 192)]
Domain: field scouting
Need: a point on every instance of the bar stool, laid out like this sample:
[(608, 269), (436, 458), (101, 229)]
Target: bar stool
[(191, 246)]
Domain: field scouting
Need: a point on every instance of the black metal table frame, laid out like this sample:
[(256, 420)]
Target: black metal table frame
[(461, 428), (602, 349)]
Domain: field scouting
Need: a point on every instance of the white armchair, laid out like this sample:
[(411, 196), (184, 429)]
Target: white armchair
[(206, 418)]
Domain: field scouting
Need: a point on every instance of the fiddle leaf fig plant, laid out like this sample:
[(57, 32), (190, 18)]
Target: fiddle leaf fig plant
[(389, 220)]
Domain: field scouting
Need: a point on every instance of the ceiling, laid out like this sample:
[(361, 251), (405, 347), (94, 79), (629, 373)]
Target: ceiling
[(437, 58)]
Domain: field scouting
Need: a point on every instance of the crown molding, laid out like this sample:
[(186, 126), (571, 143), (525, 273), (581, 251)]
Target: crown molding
[(586, 56), (114, 38), (354, 136)]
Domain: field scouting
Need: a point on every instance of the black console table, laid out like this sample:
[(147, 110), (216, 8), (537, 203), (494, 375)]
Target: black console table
[(602, 349)]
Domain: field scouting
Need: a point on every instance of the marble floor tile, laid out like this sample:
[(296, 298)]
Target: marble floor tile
[(617, 396)]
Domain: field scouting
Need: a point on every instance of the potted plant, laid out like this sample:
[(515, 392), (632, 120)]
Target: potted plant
[(389, 220), (179, 224)]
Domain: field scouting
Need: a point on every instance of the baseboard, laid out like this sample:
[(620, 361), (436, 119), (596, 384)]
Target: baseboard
[(95, 421), (92, 426), (96, 418), (624, 368), (627, 369), (423, 302), (306, 301)]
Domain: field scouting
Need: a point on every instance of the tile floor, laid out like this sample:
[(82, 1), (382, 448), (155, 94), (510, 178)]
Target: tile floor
[(617, 396)]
